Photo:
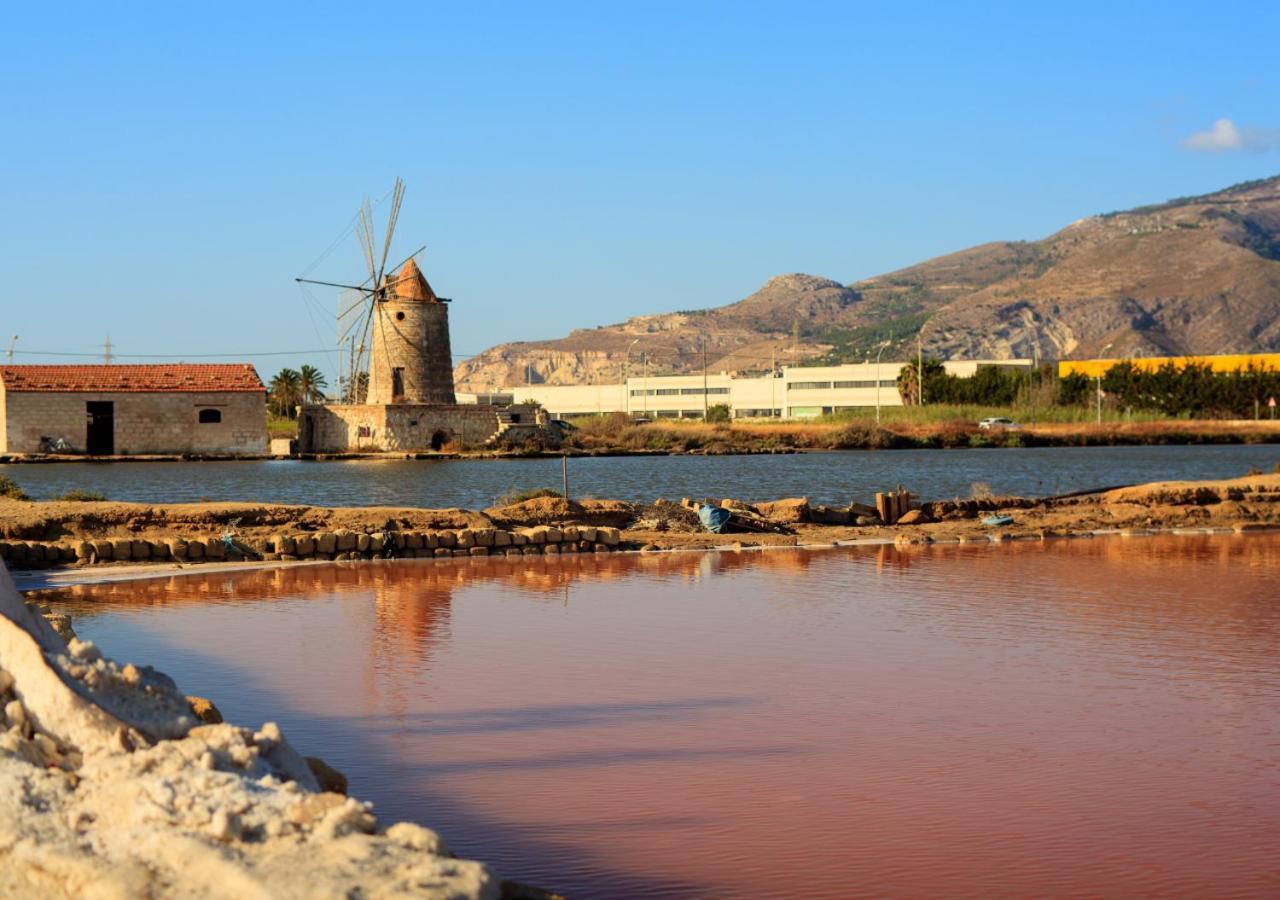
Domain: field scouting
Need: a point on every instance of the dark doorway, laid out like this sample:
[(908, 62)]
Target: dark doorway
[(100, 439), (397, 384), (438, 440)]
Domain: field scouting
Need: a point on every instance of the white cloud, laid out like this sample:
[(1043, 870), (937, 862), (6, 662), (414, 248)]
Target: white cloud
[(1225, 135)]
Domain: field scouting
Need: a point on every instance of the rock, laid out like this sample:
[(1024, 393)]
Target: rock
[(914, 517), (608, 536), (284, 543), (326, 542), (344, 541), (786, 512), (329, 778), (204, 710), (866, 521)]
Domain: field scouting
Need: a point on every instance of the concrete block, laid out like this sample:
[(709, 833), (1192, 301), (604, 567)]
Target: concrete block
[(326, 542), (442, 552), (536, 535), (214, 548), (479, 551), (121, 548), (570, 533), (177, 547), (447, 539), (431, 540), (84, 550), (466, 538), (344, 541), (501, 539), (362, 543), (586, 533), (553, 534), (159, 549), (377, 542), (461, 551), (484, 538), (140, 549), (284, 543), (519, 539), (195, 549), (610, 536)]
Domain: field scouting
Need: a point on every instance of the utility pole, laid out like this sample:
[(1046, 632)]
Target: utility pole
[(1098, 381), (919, 369), (106, 351), (12, 343), (773, 384), (626, 375), (878, 353), (644, 381), (705, 406)]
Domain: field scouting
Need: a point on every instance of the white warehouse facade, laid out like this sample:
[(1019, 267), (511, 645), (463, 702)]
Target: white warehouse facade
[(793, 392)]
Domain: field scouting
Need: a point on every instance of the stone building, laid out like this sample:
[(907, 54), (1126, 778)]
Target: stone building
[(410, 405), (121, 410)]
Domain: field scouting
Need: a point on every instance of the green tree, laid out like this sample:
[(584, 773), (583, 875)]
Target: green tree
[(286, 392), (718, 412), (311, 384)]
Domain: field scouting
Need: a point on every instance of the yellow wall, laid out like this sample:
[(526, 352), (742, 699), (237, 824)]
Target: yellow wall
[(1223, 363)]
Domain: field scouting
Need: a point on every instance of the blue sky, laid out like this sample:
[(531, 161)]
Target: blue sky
[(168, 169)]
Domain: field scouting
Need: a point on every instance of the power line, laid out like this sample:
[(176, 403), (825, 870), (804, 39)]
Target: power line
[(98, 355)]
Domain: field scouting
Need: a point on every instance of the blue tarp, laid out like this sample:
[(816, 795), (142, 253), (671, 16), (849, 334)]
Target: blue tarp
[(713, 518)]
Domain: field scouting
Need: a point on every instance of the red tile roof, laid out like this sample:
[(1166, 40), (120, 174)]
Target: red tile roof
[(164, 377)]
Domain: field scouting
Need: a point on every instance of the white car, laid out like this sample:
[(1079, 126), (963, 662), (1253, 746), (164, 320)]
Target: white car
[(999, 422)]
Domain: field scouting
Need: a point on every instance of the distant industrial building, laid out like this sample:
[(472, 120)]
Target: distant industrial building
[(793, 392), (1230, 362), (122, 410)]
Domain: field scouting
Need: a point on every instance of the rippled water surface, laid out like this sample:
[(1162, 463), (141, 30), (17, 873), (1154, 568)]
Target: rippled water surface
[(1096, 717), (474, 484)]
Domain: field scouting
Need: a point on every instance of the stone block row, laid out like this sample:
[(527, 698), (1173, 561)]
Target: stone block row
[(542, 539), (35, 554)]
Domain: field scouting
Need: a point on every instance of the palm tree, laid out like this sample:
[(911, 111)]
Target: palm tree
[(285, 390), (311, 384)]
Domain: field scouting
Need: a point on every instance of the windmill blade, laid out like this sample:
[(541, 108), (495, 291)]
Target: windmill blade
[(364, 230), (397, 194)]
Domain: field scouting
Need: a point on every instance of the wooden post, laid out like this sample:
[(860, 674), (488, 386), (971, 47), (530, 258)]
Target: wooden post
[(882, 507)]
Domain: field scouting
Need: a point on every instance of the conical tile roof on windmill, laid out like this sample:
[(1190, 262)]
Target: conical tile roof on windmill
[(411, 284)]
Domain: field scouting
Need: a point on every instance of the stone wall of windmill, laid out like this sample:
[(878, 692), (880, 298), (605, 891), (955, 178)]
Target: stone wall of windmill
[(410, 358)]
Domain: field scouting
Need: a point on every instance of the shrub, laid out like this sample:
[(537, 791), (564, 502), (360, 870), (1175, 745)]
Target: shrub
[(718, 412), (9, 488), (82, 497), (514, 496)]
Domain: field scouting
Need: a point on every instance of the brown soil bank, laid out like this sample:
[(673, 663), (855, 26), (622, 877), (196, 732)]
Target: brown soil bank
[(58, 533)]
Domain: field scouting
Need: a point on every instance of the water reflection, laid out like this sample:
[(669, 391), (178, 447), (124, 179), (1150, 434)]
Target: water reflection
[(1067, 717)]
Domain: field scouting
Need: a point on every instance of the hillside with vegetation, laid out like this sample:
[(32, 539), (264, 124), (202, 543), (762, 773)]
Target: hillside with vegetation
[(1193, 275)]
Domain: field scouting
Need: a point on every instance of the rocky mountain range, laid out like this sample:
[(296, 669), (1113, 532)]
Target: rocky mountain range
[(1192, 275)]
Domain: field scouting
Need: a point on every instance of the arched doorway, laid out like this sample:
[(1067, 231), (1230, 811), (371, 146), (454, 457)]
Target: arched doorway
[(439, 439)]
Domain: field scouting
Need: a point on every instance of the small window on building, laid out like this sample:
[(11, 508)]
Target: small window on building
[(397, 383), (364, 431), (210, 416)]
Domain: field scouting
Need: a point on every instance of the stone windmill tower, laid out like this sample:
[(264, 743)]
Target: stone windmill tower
[(410, 359), (396, 323)]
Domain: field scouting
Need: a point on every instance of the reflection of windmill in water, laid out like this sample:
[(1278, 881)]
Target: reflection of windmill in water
[(393, 329)]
